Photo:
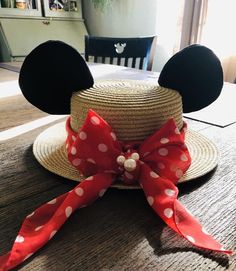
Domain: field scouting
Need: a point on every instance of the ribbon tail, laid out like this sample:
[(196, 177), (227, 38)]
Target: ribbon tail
[(190, 228), (41, 225), (162, 196)]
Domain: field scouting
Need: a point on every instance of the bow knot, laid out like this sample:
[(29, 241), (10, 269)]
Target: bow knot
[(96, 149), (129, 166), (157, 164)]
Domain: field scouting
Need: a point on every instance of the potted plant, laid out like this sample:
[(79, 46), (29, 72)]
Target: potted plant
[(100, 4)]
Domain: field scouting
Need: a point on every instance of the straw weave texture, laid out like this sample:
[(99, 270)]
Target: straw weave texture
[(134, 110), (49, 149)]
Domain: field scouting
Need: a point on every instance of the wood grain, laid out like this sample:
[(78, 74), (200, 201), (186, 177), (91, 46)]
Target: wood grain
[(6, 75), (119, 231), (16, 110)]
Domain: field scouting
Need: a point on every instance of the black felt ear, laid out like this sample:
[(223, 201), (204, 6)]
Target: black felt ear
[(196, 73), (49, 75)]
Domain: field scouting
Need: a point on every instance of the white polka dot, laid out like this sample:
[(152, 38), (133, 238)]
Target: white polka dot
[(73, 138), (113, 136), (146, 154), (95, 120), (168, 212), (76, 162), (52, 234), (169, 192), (19, 239), (73, 151), (183, 158), (102, 147), (153, 174), (79, 191), (101, 192), (30, 215), (190, 238), (205, 231), (82, 135), (163, 151), (179, 173), (161, 165), (38, 228), (89, 178), (173, 168), (164, 140), (90, 160), (68, 211), (29, 255), (53, 201), (150, 200), (177, 131), (128, 175)]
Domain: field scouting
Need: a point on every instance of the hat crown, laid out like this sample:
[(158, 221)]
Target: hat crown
[(134, 109)]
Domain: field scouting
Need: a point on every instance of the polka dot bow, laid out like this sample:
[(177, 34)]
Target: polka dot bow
[(157, 164)]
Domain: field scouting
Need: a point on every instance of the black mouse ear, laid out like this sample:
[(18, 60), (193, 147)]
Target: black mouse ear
[(49, 75), (196, 73)]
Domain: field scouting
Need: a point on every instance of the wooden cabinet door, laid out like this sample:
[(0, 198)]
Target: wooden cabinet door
[(22, 35)]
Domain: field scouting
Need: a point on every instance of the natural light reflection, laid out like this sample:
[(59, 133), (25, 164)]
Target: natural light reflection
[(24, 128), (98, 72), (167, 23), (219, 29), (9, 88)]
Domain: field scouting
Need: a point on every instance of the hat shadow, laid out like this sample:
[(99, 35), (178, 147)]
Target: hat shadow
[(178, 245), (30, 161), (90, 237), (89, 231), (190, 186)]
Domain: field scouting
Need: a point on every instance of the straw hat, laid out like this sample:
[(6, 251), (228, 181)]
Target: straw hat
[(63, 84)]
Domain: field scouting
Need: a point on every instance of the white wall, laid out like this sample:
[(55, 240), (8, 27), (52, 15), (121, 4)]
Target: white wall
[(122, 18), (129, 18)]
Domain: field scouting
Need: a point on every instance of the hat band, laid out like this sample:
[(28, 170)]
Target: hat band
[(157, 163)]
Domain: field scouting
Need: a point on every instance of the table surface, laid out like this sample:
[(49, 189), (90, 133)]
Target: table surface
[(119, 231)]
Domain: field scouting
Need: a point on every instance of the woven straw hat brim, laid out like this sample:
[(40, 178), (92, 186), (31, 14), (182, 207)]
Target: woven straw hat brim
[(50, 151)]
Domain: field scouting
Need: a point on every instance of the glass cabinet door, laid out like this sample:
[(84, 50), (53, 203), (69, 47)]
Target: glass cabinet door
[(63, 8), (20, 8)]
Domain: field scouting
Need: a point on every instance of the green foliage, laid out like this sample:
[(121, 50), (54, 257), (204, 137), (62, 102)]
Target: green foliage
[(100, 4)]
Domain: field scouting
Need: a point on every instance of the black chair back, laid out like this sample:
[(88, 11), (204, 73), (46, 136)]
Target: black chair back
[(132, 52)]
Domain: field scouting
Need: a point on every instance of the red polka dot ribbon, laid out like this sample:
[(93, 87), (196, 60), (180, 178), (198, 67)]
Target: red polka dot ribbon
[(156, 163)]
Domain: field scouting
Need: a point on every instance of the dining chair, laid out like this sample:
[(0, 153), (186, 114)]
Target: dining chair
[(137, 52)]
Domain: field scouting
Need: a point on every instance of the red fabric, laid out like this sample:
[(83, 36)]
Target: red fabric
[(162, 160)]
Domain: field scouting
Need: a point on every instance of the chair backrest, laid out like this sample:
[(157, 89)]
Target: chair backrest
[(130, 52)]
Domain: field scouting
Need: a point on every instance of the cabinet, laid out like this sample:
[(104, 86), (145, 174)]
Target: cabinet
[(23, 8), (63, 8), (46, 8), (23, 27)]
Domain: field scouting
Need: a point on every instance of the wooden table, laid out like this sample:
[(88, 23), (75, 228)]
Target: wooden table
[(119, 231)]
